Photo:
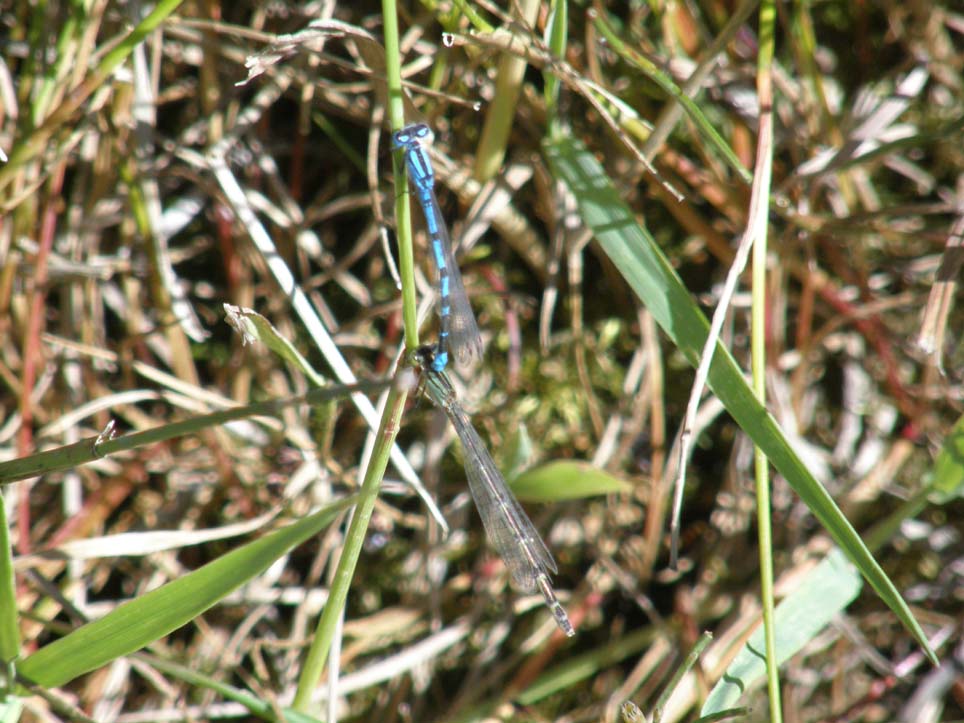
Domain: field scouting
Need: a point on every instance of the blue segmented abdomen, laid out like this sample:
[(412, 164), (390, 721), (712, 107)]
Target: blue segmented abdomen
[(458, 330)]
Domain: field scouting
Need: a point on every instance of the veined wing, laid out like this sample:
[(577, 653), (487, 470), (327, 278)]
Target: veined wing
[(506, 524), (464, 338), (508, 527)]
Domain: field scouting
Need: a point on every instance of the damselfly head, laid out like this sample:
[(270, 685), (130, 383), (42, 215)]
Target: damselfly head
[(412, 134)]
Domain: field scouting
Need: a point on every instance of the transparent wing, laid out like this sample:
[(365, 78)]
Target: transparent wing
[(458, 320), (464, 338), (508, 527)]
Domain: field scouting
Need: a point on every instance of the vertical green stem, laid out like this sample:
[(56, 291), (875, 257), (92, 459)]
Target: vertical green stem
[(758, 230), (403, 206), (391, 417)]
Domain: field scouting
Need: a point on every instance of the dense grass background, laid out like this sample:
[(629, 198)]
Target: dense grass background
[(143, 183)]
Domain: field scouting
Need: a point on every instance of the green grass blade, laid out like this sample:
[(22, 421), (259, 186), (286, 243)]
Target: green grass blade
[(709, 133), (585, 667), (478, 22), (823, 593), (9, 632), (140, 622), (687, 665), (254, 327), (403, 206), (87, 450), (757, 228), (641, 262), (254, 703), (325, 631), (558, 28)]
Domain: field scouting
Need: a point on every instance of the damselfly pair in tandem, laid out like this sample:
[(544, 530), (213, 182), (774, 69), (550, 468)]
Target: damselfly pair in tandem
[(508, 527)]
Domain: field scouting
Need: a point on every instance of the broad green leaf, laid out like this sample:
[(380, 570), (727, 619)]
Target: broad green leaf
[(142, 621), (566, 480), (823, 593), (642, 263)]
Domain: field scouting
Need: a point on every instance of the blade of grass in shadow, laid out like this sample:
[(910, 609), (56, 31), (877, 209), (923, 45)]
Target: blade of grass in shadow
[(558, 28), (637, 256), (68, 48), (140, 622), (566, 675)]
